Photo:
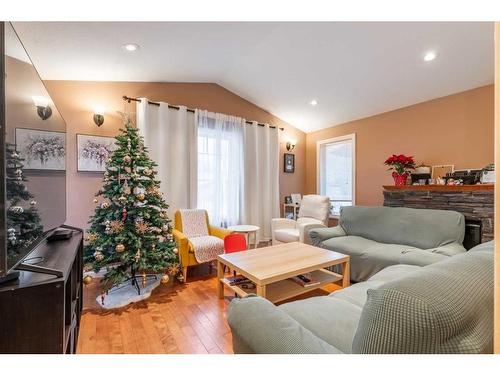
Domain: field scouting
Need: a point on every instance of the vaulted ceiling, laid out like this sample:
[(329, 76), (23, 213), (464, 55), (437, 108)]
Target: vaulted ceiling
[(352, 69)]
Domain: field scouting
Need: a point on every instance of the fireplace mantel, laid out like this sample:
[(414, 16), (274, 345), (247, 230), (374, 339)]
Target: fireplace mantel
[(450, 188), (475, 202)]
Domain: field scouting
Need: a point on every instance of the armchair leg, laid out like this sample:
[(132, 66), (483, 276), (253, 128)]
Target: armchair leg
[(185, 273)]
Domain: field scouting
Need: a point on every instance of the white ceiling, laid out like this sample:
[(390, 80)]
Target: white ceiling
[(353, 69)]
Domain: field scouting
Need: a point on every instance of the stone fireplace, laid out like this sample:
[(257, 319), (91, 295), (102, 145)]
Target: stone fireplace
[(475, 202)]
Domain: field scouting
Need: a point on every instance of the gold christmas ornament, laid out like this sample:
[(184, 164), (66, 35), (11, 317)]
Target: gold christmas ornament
[(95, 200), (176, 250), (165, 279), (98, 256), (173, 269), (165, 228), (140, 196), (120, 248), (148, 172), (116, 226), (87, 280), (91, 237), (127, 159), (122, 199), (141, 227), (104, 205)]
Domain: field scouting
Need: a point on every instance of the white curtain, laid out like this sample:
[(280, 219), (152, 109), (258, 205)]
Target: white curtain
[(171, 137), (220, 167), (215, 162), (261, 176)]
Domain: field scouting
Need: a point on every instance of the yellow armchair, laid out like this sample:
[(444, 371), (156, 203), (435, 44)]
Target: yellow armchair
[(186, 248)]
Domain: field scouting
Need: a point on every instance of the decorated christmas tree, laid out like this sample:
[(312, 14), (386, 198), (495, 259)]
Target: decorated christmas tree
[(23, 221), (130, 233)]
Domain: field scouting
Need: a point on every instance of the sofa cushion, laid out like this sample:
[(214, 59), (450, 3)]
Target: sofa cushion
[(367, 256), (393, 273), (420, 228), (446, 307), (332, 319), (258, 326), (287, 235), (357, 293)]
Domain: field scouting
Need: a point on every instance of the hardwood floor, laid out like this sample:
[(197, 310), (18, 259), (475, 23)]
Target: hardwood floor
[(180, 318)]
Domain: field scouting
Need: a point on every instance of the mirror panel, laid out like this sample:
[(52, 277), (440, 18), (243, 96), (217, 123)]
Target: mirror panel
[(35, 153)]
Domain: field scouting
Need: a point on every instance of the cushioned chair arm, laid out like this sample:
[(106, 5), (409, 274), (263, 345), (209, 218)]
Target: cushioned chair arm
[(450, 249), (319, 235), (183, 245), (304, 230), (218, 232), (281, 223), (260, 327)]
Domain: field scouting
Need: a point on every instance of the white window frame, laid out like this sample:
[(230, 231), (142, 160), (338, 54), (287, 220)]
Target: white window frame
[(352, 138)]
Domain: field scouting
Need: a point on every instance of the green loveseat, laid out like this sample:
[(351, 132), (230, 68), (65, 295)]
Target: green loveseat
[(445, 307), (378, 237)]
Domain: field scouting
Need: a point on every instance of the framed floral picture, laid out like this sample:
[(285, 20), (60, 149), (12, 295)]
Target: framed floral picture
[(42, 150), (93, 152)]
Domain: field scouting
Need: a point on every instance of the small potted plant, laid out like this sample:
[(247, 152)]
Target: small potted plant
[(401, 165)]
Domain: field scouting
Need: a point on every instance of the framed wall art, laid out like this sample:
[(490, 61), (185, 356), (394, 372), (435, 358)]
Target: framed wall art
[(93, 152), (42, 150), (289, 163)]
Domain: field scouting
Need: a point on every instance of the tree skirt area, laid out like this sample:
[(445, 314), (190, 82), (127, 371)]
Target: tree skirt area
[(126, 293)]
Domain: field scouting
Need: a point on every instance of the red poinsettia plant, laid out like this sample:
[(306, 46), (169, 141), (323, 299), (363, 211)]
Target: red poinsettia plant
[(400, 164)]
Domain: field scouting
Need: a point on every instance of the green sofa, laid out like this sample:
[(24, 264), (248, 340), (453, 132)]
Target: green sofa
[(445, 307), (378, 237)]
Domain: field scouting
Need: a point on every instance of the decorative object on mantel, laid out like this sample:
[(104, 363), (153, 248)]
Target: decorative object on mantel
[(401, 165), (421, 175), (422, 169), (463, 177), (440, 171), (488, 174)]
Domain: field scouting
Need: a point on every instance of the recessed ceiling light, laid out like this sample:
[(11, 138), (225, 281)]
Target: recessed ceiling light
[(130, 47), (430, 55), (313, 102)]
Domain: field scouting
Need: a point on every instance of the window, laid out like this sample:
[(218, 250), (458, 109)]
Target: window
[(336, 171), (220, 177)]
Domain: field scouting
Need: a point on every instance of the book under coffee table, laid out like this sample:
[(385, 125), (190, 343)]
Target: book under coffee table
[(270, 269)]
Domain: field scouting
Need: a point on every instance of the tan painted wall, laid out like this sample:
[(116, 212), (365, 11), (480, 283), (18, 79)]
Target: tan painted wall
[(456, 129), (75, 101)]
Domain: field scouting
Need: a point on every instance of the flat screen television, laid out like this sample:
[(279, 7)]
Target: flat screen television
[(32, 160)]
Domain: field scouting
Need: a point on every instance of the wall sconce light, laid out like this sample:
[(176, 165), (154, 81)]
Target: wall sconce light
[(99, 115), (42, 107), (290, 144)]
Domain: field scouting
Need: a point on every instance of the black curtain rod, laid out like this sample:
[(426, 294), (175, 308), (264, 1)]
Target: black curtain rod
[(129, 99)]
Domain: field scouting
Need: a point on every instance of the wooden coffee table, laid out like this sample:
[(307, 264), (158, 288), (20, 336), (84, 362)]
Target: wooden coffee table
[(270, 268)]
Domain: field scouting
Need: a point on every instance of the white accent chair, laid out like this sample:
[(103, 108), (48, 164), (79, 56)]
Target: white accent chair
[(314, 213)]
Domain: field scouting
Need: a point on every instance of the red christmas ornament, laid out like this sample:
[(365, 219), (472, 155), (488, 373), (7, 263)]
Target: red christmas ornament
[(124, 214)]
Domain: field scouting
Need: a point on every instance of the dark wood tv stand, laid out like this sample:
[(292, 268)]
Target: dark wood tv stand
[(40, 313)]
